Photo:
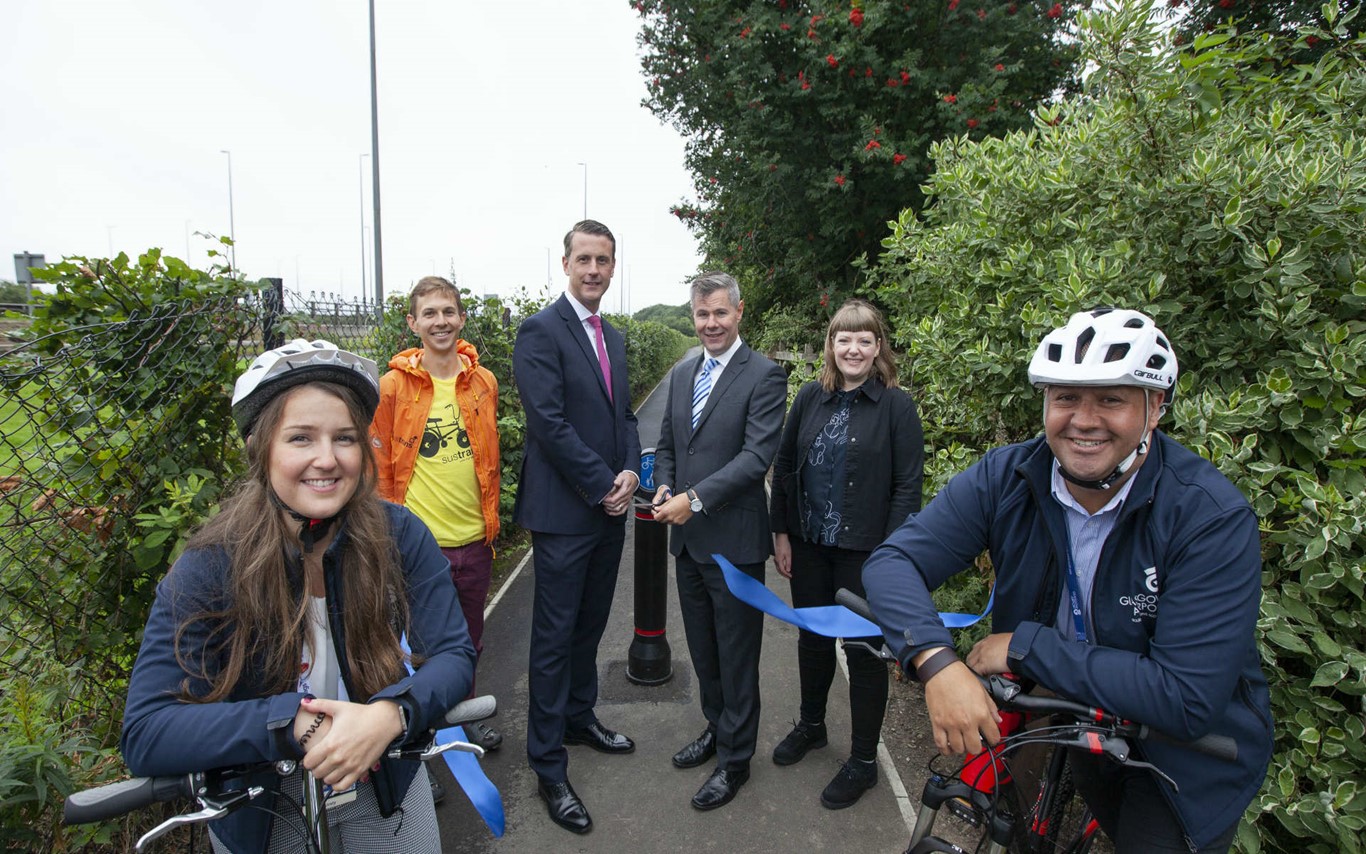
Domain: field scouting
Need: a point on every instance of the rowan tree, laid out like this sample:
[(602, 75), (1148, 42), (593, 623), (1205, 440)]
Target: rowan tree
[(808, 123)]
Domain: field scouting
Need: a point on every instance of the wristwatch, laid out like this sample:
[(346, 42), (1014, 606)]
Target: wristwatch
[(694, 502)]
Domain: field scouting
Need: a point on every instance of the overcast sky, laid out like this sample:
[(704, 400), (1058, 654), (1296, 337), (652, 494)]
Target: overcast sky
[(115, 115)]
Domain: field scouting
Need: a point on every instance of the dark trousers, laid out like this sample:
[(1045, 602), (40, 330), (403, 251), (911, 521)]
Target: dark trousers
[(471, 572), (576, 578), (1131, 809), (817, 572), (725, 637)]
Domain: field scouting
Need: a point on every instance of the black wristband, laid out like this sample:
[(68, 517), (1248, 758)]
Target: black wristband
[(935, 663)]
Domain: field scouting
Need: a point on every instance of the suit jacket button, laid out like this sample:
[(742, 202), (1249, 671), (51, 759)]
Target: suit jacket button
[(690, 452)]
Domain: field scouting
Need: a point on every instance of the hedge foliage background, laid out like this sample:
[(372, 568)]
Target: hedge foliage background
[(1222, 189), (115, 441)]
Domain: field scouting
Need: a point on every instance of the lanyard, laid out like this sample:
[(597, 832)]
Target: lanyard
[(1074, 598)]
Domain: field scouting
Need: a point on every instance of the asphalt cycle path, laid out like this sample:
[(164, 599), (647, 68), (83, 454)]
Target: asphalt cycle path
[(639, 802)]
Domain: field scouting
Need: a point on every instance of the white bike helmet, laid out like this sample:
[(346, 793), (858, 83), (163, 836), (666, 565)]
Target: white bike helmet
[(297, 362), (1106, 346)]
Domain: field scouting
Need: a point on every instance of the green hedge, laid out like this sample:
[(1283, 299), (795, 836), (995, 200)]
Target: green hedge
[(1222, 189)]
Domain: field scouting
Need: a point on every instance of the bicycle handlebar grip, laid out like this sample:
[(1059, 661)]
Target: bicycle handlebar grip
[(471, 710), (854, 602), (1218, 746), (115, 799)]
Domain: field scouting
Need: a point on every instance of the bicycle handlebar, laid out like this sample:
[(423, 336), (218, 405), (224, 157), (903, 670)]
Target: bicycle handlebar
[(1007, 693), (854, 602), (1004, 692), (115, 799), (471, 710)]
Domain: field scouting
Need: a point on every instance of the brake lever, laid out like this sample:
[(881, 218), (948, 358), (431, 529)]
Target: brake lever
[(433, 750), (211, 809), (1119, 750), (462, 746), (1138, 763)]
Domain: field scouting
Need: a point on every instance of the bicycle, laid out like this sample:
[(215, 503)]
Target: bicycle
[(983, 793), (213, 793)]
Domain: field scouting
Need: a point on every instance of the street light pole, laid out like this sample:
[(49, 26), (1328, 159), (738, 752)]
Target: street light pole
[(232, 219), (585, 189), (374, 164), (364, 278)]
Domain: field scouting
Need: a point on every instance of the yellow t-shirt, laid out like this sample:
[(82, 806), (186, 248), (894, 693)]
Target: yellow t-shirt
[(444, 491)]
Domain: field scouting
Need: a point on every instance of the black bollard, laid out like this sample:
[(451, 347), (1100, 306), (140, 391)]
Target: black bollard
[(648, 662)]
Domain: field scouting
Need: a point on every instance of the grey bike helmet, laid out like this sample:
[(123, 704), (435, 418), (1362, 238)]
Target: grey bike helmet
[(298, 362)]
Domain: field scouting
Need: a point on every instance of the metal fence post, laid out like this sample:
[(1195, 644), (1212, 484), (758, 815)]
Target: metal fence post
[(274, 305)]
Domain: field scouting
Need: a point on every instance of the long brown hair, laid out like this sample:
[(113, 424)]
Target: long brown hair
[(265, 620), (858, 315)]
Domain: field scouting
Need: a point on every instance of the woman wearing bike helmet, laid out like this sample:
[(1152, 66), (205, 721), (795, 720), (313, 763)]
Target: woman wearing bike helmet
[(1128, 577), (276, 635)]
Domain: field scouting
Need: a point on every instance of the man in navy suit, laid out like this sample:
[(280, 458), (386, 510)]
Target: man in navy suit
[(578, 476), (721, 429)]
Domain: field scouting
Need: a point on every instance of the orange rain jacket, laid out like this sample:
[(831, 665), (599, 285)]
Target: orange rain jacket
[(405, 396)]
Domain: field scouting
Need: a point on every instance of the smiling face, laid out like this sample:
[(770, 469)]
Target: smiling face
[(716, 320), (315, 455), (437, 320), (855, 353), (1091, 429), (589, 266)]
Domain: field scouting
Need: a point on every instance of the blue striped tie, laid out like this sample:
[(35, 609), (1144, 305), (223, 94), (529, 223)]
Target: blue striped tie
[(701, 389)]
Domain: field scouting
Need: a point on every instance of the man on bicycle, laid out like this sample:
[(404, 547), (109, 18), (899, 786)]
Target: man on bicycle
[(1128, 576)]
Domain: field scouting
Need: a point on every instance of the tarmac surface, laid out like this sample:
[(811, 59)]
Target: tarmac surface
[(639, 802)]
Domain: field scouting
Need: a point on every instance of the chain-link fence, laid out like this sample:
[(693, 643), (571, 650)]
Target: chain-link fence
[(95, 423)]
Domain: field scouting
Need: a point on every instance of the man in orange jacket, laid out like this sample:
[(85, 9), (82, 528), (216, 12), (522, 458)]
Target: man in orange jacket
[(436, 442)]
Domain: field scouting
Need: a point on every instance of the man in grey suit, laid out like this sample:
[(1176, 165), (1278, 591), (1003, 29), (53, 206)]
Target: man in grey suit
[(721, 429)]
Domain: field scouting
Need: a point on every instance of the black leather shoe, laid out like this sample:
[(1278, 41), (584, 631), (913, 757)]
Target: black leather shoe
[(599, 737), (696, 752), (720, 788), (564, 806), (438, 792)]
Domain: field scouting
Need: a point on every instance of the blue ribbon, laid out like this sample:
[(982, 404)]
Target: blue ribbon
[(473, 781), (832, 621), (468, 773)]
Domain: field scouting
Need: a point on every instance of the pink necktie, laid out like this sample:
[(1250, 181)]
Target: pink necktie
[(596, 322)]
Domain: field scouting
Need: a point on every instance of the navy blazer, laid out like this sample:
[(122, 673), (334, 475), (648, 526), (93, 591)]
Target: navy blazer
[(725, 458), (577, 439)]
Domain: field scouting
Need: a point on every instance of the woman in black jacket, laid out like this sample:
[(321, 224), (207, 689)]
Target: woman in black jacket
[(848, 472)]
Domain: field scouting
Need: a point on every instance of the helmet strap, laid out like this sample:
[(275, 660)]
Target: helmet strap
[(310, 530)]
